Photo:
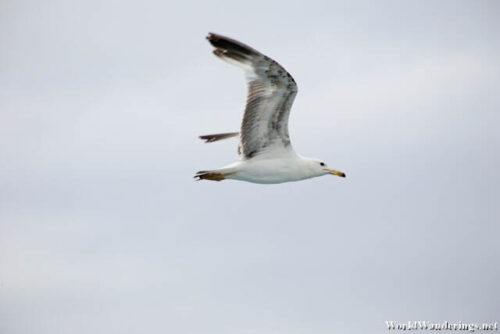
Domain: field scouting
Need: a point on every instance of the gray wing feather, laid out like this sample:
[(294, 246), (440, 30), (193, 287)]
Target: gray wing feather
[(271, 91)]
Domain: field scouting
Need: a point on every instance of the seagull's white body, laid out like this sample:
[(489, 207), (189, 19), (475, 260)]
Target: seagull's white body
[(266, 154), (271, 170)]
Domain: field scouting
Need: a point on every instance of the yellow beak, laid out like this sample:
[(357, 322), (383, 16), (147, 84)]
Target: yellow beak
[(335, 172)]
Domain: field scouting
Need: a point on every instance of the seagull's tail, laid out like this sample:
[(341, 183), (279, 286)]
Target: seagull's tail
[(212, 175), (218, 136)]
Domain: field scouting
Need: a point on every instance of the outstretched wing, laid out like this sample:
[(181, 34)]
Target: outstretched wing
[(271, 91)]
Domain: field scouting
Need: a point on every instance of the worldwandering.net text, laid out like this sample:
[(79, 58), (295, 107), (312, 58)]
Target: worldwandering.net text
[(428, 325)]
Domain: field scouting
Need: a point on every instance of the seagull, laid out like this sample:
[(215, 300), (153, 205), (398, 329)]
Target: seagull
[(266, 154)]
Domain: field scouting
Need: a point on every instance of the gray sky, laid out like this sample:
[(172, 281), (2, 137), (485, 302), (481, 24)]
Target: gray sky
[(103, 230)]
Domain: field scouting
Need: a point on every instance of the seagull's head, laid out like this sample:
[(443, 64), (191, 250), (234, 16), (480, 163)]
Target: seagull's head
[(319, 168)]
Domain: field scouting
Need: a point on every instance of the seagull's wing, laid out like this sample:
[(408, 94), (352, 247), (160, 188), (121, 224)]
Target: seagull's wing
[(271, 91)]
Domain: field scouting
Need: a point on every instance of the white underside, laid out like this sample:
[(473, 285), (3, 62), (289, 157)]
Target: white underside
[(270, 170)]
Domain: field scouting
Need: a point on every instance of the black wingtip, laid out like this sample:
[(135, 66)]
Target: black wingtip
[(218, 136), (206, 139), (211, 37), (228, 44)]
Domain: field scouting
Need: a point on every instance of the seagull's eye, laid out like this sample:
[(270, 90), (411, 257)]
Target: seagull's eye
[(322, 163)]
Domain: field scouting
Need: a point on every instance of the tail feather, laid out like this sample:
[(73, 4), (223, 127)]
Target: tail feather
[(210, 175), (218, 136)]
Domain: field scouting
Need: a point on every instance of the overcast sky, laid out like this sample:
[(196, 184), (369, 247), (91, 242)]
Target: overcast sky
[(103, 230)]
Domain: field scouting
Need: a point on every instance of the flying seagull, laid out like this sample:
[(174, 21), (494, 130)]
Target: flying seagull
[(266, 154)]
